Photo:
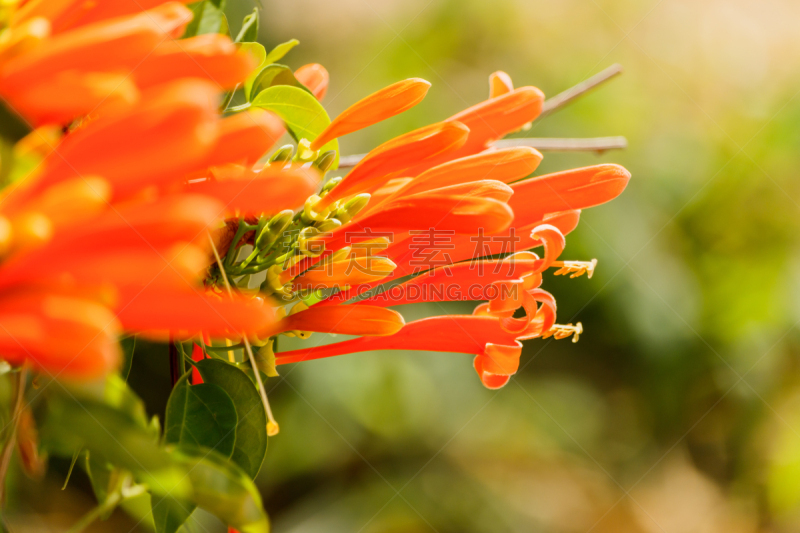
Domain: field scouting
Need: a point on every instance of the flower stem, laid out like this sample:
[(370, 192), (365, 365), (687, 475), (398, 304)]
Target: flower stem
[(571, 94), (8, 447)]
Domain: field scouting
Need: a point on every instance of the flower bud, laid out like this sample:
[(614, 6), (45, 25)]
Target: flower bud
[(351, 208), (309, 243), (330, 184), (283, 155), (325, 161), (273, 229), (329, 225)]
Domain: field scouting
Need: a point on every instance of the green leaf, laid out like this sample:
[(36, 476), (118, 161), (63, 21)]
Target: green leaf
[(303, 114), (249, 31), (275, 74), (70, 422), (258, 52), (208, 18), (281, 50), (223, 489), (169, 514), (128, 345), (251, 431), (201, 415)]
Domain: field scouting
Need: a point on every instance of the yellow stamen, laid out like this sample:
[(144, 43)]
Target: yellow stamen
[(575, 268), (560, 331)]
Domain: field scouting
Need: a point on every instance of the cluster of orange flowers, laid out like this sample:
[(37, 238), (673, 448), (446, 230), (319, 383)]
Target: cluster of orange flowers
[(132, 173)]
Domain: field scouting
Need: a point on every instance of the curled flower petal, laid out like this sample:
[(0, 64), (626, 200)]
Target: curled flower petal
[(499, 84), (378, 106)]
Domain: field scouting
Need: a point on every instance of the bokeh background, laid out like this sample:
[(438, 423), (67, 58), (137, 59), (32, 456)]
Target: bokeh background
[(679, 409)]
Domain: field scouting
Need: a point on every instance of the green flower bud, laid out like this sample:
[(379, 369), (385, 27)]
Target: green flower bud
[(325, 161), (283, 155), (308, 242), (274, 228), (329, 185), (329, 225), (351, 208)]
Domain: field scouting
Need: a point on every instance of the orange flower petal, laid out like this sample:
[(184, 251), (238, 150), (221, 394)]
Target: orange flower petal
[(499, 84), (572, 189), (245, 137), (456, 214), (157, 312), (393, 157), (118, 44), (446, 333), (69, 94), (268, 191), (211, 56), (315, 77), (160, 140), (378, 106), (344, 319), (351, 270), (63, 335)]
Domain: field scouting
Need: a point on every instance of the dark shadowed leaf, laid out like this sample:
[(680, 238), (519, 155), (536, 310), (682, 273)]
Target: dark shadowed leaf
[(201, 415), (251, 431)]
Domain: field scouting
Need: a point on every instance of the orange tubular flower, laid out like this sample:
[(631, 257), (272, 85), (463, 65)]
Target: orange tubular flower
[(442, 178), (111, 231), (386, 103)]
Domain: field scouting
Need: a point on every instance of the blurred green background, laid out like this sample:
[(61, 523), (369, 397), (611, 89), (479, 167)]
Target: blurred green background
[(679, 409)]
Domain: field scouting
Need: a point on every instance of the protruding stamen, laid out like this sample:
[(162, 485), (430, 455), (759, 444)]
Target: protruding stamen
[(575, 268), (560, 331)]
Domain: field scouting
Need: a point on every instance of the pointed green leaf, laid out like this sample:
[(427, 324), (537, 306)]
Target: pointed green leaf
[(249, 31), (251, 431), (169, 514), (303, 115), (208, 18), (281, 50), (275, 74), (201, 415), (258, 51)]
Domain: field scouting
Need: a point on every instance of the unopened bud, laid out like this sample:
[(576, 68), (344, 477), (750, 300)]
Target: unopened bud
[(308, 242), (351, 208), (329, 185), (274, 228), (283, 154), (329, 225), (325, 161)]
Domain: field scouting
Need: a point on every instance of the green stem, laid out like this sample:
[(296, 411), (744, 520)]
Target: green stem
[(8, 447), (111, 502)]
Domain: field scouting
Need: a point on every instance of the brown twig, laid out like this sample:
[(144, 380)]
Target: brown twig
[(571, 94), (596, 144), (545, 144)]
